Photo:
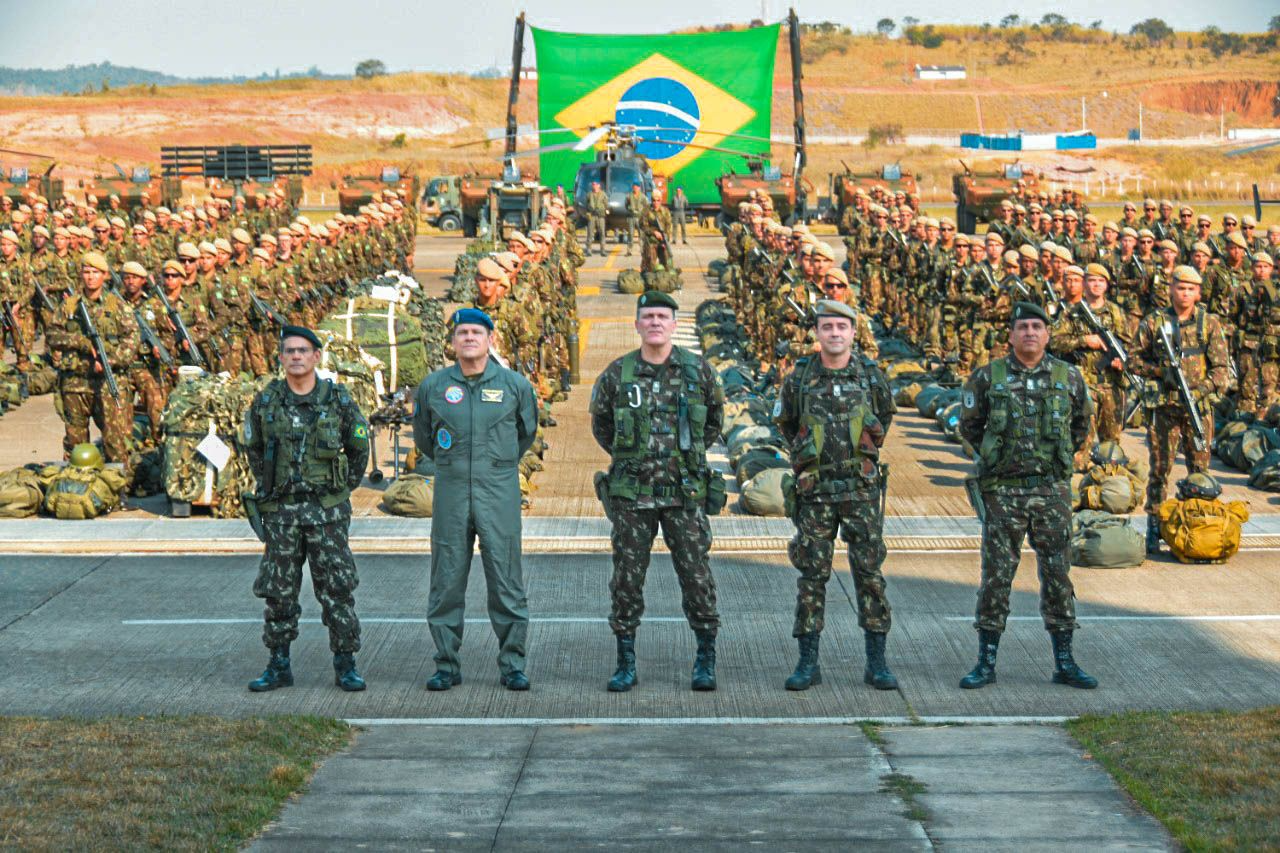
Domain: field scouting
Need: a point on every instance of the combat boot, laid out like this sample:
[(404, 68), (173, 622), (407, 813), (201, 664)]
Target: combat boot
[(1065, 669), (808, 673), (625, 677), (877, 673), (276, 675), (1153, 536), (344, 673), (704, 664), (985, 672)]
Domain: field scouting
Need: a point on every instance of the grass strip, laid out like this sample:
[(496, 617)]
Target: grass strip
[(176, 783), (1213, 779)]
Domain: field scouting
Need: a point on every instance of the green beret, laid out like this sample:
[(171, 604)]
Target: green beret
[(832, 308), (656, 299), (1028, 311), (301, 332)]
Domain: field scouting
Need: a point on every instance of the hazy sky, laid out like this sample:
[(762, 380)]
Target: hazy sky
[(230, 37)]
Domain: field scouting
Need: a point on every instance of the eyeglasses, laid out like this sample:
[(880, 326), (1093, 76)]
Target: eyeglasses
[(101, 230), (1146, 240), (172, 275), (1184, 215), (188, 260), (947, 228), (834, 285)]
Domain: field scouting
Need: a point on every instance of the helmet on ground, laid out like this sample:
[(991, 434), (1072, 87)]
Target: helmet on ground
[(86, 456), (1108, 453), (1199, 485)]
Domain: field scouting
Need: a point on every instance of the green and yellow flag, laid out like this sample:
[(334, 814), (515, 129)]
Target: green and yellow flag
[(697, 88)]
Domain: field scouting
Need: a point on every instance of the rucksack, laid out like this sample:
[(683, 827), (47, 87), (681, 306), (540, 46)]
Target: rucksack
[(1112, 488), (20, 493), (762, 494), (1200, 530), (411, 495), (80, 493), (1104, 541), (1265, 474)]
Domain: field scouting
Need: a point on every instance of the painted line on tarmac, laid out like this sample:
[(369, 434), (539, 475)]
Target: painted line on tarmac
[(589, 290), (613, 256), (490, 722), (391, 620), (1252, 617)]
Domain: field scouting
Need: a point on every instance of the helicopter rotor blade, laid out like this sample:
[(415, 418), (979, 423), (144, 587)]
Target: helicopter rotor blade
[(592, 138)]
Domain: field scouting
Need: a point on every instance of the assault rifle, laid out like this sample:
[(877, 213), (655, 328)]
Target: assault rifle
[(180, 330), (151, 339), (1057, 301), (99, 348), (1115, 350), (265, 310), (1188, 400)]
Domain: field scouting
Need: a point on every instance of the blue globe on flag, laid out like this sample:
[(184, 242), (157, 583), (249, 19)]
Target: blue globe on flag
[(660, 102)]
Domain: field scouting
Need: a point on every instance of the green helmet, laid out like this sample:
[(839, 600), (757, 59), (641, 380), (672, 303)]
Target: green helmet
[(1108, 453), (86, 456), (1199, 486)]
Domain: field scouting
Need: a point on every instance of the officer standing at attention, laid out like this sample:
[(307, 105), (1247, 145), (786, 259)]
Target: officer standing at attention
[(637, 204), (308, 446), (835, 410), (476, 419), (655, 411), (1026, 414), (680, 216), (597, 213)]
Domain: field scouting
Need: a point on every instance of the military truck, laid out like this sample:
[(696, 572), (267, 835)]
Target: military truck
[(762, 177), (135, 188), (22, 186), (889, 177), (979, 193), (441, 202), (358, 190)]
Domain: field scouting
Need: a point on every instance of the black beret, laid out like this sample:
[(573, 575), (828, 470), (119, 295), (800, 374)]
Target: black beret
[(1028, 311), (471, 316), (656, 299), (302, 332)]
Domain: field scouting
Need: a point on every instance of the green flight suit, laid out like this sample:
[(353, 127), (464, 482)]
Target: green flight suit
[(476, 429)]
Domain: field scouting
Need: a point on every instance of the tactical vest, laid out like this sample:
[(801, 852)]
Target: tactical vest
[(632, 428), (1267, 321), (1043, 416), (850, 414), (309, 460)]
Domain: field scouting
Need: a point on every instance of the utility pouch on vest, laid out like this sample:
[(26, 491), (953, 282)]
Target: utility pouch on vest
[(602, 492), (624, 431), (789, 496), (717, 493)]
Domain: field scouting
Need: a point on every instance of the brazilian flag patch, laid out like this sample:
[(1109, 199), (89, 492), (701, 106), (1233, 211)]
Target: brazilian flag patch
[(362, 431)]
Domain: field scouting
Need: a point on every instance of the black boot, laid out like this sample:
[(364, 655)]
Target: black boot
[(877, 673), (808, 672), (1153, 536), (344, 673), (625, 677), (985, 672), (704, 664), (1065, 670), (443, 680), (277, 674)]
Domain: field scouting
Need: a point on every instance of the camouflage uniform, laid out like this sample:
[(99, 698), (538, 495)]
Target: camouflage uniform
[(597, 211), (1026, 424), (1261, 345), (307, 453), (636, 206), (636, 417), (835, 421), (1202, 350), (1106, 385), (83, 392), (655, 250)]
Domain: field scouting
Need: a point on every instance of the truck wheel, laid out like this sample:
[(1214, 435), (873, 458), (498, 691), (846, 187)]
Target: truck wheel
[(449, 222)]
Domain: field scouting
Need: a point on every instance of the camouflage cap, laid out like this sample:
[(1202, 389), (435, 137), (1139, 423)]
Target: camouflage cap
[(833, 308), (301, 332), (1187, 275), (95, 260), (1027, 311), (134, 268), (656, 299), (1098, 270)]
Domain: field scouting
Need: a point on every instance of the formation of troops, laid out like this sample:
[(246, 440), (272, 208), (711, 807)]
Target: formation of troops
[(1114, 292), (125, 296)]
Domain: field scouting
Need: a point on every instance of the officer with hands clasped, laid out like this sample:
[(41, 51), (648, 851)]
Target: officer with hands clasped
[(476, 419), (1026, 414), (308, 446)]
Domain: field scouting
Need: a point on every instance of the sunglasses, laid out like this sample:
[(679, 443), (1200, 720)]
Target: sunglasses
[(189, 260), (1184, 215), (947, 228), (172, 275), (834, 285)]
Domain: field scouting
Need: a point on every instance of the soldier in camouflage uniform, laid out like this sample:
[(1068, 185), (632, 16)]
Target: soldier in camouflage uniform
[(637, 204), (83, 391), (1260, 338), (1026, 415), (655, 411), (1201, 348), (194, 315), (655, 234), (835, 409), (16, 291), (597, 211), (147, 373), (308, 446)]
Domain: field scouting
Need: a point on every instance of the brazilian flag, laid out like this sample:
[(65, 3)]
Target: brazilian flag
[(697, 87)]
